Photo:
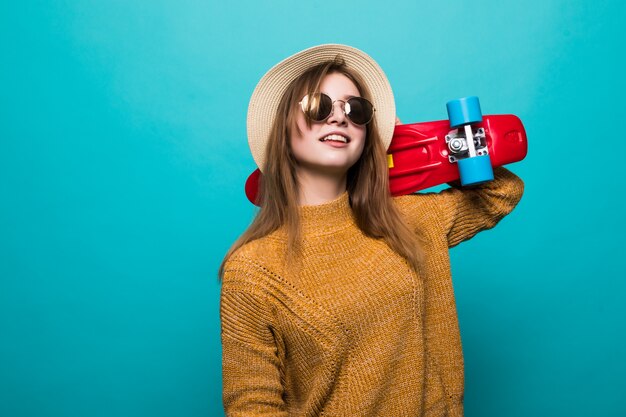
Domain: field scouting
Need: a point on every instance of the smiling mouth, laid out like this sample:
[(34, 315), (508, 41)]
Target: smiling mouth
[(335, 138)]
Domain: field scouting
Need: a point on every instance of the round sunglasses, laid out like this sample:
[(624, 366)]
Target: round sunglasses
[(319, 107)]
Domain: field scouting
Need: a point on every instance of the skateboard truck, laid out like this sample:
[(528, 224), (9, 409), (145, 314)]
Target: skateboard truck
[(469, 149), (458, 144)]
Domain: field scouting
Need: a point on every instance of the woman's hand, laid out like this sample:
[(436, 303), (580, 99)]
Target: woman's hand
[(398, 122)]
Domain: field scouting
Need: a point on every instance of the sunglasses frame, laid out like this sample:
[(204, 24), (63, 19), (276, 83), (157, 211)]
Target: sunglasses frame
[(304, 101)]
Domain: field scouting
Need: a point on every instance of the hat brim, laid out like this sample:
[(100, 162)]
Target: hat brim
[(270, 89)]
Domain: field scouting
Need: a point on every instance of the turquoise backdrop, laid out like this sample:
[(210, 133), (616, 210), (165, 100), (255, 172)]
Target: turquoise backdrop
[(123, 155)]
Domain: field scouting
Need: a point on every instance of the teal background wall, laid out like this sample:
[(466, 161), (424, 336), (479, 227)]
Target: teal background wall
[(123, 155)]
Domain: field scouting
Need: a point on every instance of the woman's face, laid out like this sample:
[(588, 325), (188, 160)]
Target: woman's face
[(332, 146)]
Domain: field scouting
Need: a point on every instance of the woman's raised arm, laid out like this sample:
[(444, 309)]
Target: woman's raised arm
[(467, 211)]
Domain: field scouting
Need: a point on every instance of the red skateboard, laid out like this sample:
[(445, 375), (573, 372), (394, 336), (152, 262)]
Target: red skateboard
[(423, 155)]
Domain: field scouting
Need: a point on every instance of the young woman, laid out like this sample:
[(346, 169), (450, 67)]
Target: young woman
[(338, 299)]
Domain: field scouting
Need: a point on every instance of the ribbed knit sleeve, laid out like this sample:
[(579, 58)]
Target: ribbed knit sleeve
[(251, 368), (465, 212)]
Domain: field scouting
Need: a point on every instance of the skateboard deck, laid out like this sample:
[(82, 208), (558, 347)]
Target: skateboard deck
[(421, 155)]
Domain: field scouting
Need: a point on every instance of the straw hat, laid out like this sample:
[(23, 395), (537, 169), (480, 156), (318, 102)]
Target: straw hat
[(268, 92)]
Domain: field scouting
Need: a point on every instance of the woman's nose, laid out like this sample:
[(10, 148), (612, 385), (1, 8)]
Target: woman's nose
[(338, 115)]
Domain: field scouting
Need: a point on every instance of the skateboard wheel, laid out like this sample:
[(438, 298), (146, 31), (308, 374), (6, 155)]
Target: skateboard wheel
[(464, 111), (475, 170)]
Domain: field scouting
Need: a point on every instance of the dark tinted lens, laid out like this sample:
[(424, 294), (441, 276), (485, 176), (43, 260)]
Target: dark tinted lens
[(317, 107), (359, 110), (325, 106)]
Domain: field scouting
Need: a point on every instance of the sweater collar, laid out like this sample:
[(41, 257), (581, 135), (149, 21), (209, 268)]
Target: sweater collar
[(328, 217)]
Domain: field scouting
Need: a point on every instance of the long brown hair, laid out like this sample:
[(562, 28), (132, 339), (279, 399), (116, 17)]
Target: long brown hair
[(367, 180)]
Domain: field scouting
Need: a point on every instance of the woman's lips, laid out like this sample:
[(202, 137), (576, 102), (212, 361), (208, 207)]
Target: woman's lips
[(335, 140)]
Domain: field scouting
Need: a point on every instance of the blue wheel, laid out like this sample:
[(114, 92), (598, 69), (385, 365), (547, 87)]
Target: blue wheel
[(475, 170), (464, 111)]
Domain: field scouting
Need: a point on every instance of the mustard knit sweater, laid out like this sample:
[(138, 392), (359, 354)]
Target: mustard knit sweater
[(355, 332)]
